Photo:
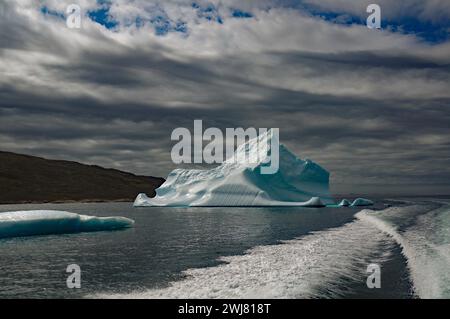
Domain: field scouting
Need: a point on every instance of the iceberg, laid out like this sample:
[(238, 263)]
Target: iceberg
[(357, 202), (46, 222), (362, 202), (344, 203), (240, 183)]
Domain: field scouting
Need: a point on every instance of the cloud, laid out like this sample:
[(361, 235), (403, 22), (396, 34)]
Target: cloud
[(436, 11), (371, 106)]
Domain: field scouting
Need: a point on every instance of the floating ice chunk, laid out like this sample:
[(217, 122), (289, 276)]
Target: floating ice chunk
[(45, 222), (239, 183), (362, 202), (142, 200), (314, 202), (344, 203)]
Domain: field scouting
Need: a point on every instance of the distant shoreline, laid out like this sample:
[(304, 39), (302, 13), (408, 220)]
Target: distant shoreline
[(131, 200), (27, 179), (70, 201)]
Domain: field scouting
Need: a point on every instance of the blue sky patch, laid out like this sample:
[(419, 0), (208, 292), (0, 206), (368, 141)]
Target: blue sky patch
[(430, 32), (102, 17), (208, 12), (48, 12), (425, 30), (433, 33), (162, 24), (236, 13)]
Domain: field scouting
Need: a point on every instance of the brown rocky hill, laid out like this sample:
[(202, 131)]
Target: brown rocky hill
[(30, 179)]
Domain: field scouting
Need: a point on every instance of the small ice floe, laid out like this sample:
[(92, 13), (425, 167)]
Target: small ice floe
[(357, 202), (313, 202), (46, 222), (344, 203), (362, 202)]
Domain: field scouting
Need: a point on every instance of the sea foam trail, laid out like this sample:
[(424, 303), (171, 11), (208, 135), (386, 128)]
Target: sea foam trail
[(317, 265), (424, 235)]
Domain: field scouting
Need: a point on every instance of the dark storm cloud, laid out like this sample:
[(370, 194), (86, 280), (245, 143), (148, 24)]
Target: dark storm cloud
[(366, 59), (371, 116)]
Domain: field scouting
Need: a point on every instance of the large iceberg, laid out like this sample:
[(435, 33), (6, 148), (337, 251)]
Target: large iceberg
[(237, 182), (46, 222)]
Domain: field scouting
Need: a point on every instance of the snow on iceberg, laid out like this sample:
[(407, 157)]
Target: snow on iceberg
[(362, 202), (240, 183), (46, 222)]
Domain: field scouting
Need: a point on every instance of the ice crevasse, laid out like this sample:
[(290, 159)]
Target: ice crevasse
[(240, 183)]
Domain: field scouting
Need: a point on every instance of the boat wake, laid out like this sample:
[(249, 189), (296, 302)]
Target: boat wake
[(423, 232), (317, 265), (328, 263)]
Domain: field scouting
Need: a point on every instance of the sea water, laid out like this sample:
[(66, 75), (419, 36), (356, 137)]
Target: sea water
[(235, 253)]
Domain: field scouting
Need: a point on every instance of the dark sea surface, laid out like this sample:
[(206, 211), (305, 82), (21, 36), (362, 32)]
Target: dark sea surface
[(178, 252)]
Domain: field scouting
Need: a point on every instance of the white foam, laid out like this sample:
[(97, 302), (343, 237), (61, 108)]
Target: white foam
[(428, 258), (311, 266)]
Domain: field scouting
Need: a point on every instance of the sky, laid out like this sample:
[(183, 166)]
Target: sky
[(371, 106)]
